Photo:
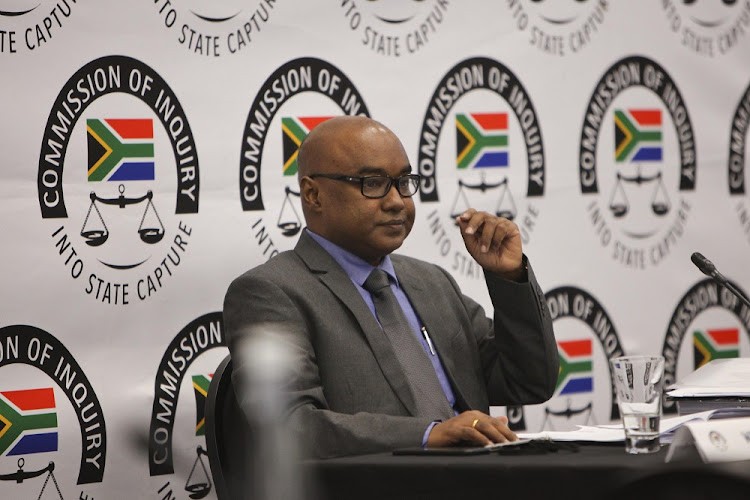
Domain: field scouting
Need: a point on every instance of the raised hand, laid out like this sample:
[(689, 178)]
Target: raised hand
[(494, 242)]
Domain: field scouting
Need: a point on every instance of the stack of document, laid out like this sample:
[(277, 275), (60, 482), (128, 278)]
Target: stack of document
[(615, 433), (721, 383)]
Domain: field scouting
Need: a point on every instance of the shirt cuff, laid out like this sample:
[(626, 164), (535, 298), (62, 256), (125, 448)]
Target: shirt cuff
[(427, 433)]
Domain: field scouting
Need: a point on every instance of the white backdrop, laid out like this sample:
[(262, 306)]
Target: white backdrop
[(148, 159)]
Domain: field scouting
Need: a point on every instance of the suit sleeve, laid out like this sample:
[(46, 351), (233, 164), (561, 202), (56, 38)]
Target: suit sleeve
[(253, 306), (517, 348)]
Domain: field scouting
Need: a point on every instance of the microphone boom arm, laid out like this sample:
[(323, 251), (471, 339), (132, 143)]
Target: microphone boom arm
[(709, 269)]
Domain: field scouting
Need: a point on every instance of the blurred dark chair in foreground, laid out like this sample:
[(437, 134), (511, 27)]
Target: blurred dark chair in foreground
[(226, 436)]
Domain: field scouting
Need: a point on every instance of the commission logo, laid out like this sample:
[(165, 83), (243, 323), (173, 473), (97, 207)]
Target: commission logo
[(40, 432), (737, 153), (319, 91), (586, 340), (177, 438), (29, 24), (708, 323), (708, 27), (130, 161), (559, 28), (395, 29), (636, 162), (481, 132), (214, 29)]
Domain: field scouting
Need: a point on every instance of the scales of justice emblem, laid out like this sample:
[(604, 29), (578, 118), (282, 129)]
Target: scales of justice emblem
[(638, 140), (198, 483), (505, 207), (95, 231), (289, 220), (569, 414), (482, 145), (21, 475)]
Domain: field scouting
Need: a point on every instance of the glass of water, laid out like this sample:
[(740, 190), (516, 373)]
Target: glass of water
[(638, 383)]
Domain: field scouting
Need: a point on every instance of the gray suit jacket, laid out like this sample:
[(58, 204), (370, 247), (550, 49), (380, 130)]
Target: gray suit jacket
[(348, 394)]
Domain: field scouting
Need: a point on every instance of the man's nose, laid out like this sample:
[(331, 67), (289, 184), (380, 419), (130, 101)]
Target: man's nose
[(393, 198)]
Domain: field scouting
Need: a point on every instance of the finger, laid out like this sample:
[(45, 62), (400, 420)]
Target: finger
[(472, 417), (502, 428), (472, 435), (490, 232), (506, 235), (491, 431), (503, 231), (475, 222), (465, 216), (509, 228)]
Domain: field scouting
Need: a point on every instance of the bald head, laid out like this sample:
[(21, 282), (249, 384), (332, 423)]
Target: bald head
[(337, 142)]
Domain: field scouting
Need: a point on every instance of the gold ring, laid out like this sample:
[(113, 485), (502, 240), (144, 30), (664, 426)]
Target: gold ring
[(474, 425)]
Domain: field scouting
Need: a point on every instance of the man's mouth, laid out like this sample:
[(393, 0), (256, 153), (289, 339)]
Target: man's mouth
[(393, 223)]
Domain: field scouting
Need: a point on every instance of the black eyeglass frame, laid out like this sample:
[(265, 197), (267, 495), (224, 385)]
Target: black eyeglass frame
[(415, 179)]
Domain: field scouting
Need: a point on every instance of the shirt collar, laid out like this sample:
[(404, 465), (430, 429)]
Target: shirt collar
[(355, 267)]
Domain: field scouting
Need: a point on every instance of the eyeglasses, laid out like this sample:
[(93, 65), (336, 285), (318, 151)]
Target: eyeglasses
[(377, 186)]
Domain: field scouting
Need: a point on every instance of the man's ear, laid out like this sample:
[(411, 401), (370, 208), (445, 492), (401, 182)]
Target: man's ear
[(310, 194)]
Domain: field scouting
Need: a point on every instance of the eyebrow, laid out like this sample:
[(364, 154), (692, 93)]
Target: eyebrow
[(380, 171)]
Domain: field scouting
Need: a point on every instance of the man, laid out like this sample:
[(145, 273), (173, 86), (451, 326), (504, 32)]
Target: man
[(352, 391)]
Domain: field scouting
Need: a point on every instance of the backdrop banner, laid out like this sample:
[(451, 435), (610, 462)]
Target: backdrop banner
[(150, 157)]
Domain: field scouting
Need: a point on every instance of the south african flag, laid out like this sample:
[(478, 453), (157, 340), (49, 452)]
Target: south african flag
[(28, 421), (715, 344), (200, 388), (120, 149), (481, 140), (638, 135), (294, 130), (576, 367)]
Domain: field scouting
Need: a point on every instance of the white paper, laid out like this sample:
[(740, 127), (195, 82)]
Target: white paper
[(614, 433), (583, 433), (508, 444), (718, 378)]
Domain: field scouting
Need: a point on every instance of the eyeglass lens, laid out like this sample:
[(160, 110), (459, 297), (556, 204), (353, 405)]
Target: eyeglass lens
[(377, 186)]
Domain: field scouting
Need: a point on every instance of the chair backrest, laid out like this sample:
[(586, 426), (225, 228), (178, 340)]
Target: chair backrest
[(227, 434)]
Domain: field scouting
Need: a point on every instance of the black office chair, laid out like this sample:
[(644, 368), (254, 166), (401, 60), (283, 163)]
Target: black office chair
[(227, 435), (229, 444)]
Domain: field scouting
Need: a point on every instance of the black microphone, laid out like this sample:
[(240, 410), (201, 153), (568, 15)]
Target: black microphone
[(709, 269)]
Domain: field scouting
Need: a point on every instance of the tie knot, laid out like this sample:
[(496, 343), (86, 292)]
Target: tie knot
[(377, 280)]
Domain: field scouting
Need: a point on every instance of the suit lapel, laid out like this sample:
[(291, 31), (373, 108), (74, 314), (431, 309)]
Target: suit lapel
[(338, 282), (422, 298)]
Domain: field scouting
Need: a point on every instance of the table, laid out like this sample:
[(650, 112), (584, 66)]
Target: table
[(601, 471)]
